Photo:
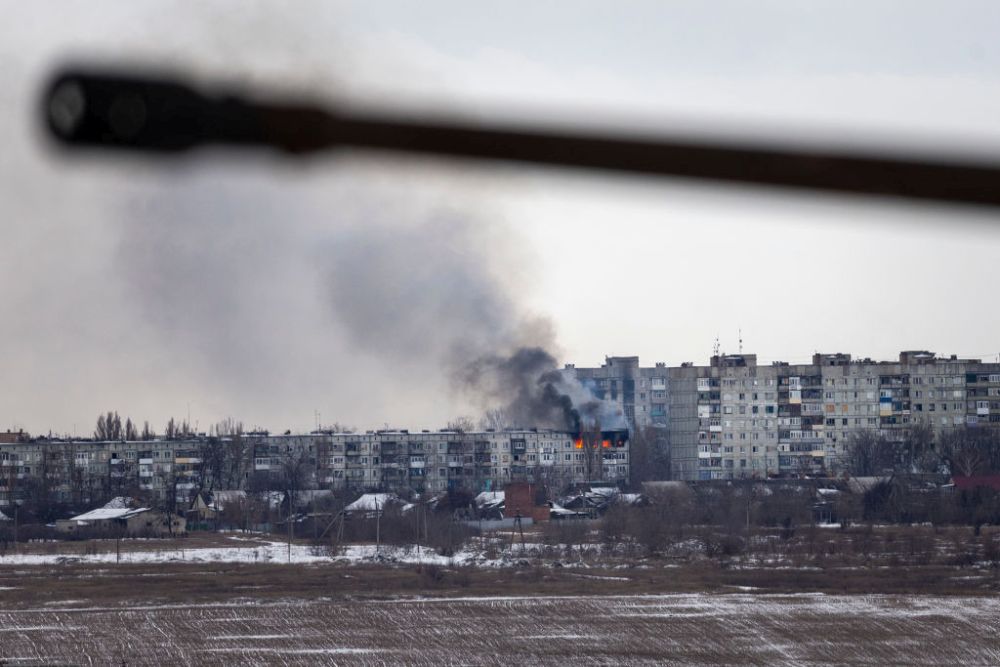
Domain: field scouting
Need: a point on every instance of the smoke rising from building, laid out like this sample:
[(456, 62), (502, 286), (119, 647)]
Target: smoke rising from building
[(443, 293), (391, 305)]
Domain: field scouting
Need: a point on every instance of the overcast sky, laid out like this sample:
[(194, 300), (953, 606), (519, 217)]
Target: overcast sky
[(205, 284)]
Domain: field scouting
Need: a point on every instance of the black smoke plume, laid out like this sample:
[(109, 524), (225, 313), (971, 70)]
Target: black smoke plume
[(445, 291)]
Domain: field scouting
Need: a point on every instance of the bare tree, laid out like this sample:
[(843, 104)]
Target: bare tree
[(967, 461), (109, 427), (921, 450), (227, 427), (294, 476), (462, 425), (649, 455), (147, 432), (495, 419), (101, 431), (868, 454), (232, 456), (971, 451), (131, 433)]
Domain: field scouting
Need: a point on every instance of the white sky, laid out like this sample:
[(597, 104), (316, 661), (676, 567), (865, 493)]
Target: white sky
[(106, 303)]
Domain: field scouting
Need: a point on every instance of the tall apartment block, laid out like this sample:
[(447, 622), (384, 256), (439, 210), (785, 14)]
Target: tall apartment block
[(641, 394), (737, 419)]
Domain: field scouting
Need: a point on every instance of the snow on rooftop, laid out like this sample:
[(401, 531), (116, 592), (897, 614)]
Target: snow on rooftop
[(629, 498), (221, 498), (562, 511), (490, 498), (117, 508), (4, 517), (372, 502), (119, 502), (107, 514)]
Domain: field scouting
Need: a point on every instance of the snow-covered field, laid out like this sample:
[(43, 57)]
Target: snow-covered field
[(689, 629), (257, 552), (243, 550)]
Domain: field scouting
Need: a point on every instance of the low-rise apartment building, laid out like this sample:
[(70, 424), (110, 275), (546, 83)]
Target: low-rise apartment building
[(85, 472)]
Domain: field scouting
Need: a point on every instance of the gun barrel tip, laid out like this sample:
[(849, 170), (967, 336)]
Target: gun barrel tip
[(65, 106)]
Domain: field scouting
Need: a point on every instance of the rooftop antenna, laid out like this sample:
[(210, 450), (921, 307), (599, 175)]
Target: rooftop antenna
[(741, 340), (715, 348)]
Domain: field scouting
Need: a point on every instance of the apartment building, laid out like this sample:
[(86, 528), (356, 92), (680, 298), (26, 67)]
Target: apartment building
[(71, 472), (84, 472), (444, 460), (640, 394), (735, 418)]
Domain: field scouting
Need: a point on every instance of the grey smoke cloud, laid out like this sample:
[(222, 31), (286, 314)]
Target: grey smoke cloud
[(425, 286), (385, 306), (443, 292)]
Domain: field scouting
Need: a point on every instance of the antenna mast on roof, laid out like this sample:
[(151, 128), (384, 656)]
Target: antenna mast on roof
[(715, 348), (741, 340)]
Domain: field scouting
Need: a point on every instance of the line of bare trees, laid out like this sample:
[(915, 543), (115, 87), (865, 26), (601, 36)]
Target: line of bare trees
[(110, 427), (967, 451)]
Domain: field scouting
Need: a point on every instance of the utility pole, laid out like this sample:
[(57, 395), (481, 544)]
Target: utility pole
[(419, 513), (378, 527)]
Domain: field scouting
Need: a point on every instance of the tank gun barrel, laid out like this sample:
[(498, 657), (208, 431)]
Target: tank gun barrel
[(160, 115)]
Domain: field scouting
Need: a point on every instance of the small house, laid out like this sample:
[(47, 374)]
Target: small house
[(117, 518)]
